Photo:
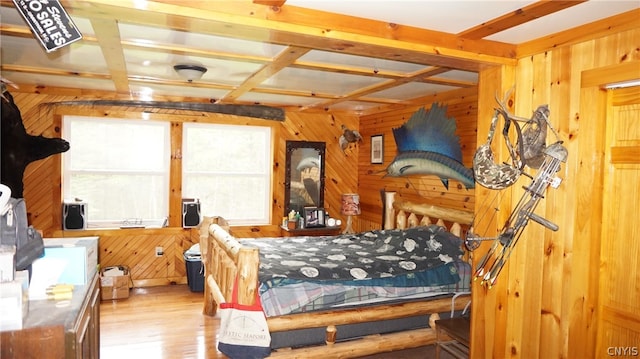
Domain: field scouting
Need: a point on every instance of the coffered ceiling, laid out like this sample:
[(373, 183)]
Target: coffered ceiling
[(303, 55)]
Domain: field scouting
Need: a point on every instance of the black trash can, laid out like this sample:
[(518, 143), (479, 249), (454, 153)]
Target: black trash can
[(195, 272)]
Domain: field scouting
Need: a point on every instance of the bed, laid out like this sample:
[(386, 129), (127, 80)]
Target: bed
[(365, 310)]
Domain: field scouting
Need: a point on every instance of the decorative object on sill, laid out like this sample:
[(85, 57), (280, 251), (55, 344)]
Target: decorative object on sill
[(20, 148), (428, 145), (190, 72), (314, 217), (350, 207), (348, 136)]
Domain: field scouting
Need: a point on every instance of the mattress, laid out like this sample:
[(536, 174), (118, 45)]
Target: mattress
[(302, 274), (315, 296)]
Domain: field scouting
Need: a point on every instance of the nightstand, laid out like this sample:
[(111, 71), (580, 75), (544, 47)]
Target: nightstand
[(312, 231), (452, 336)]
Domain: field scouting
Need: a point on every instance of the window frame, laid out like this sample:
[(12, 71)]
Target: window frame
[(66, 171), (267, 172)]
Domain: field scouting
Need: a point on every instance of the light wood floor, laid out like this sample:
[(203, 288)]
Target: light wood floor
[(167, 323)]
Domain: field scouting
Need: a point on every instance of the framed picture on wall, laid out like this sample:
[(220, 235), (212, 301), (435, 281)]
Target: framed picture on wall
[(377, 149), (313, 217)]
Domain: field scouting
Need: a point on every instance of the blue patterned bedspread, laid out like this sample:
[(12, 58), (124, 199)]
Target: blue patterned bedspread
[(421, 256)]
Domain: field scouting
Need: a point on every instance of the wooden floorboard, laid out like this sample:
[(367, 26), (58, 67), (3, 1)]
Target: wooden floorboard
[(166, 322)]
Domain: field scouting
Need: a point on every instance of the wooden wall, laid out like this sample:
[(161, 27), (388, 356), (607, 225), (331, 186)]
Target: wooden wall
[(462, 105), (135, 247), (545, 302)]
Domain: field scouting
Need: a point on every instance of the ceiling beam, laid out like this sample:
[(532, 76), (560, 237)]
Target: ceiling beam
[(284, 59), (629, 20), (108, 36), (270, 2), (518, 17), (430, 50)]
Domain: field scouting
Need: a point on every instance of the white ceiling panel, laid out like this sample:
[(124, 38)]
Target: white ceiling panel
[(412, 90), (148, 90), (61, 81), (77, 57), (318, 81), (304, 56), (459, 75), (145, 35), (364, 62), (445, 16), (278, 100), (160, 65), (564, 20)]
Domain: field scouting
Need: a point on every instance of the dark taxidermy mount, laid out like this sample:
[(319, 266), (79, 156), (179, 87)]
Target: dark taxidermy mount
[(348, 136), (19, 148)]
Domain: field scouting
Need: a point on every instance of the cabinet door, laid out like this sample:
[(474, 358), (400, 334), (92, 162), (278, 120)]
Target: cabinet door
[(84, 341)]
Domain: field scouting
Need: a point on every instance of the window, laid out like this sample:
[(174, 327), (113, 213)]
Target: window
[(228, 168), (120, 168)]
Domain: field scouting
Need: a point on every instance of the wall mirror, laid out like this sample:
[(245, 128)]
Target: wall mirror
[(304, 179)]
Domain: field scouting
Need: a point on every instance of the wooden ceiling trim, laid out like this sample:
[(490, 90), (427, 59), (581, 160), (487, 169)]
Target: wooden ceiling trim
[(250, 28), (343, 69), (517, 17), (190, 51), (626, 71), (48, 71), (284, 59), (629, 20), (108, 35), (447, 82), (270, 2), (368, 27), (344, 23), (16, 31), (208, 85)]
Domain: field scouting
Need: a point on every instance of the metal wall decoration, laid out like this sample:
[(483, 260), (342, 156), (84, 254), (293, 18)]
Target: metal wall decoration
[(533, 153)]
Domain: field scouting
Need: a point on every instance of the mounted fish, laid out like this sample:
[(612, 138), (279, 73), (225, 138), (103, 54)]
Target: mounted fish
[(427, 145)]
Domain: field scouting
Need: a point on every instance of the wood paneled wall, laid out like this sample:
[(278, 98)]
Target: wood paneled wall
[(544, 304), (135, 248), (462, 105)]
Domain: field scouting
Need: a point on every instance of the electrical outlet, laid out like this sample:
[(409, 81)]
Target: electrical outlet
[(159, 251)]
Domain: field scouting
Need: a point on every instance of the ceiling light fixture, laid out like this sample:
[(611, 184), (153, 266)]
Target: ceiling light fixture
[(190, 72)]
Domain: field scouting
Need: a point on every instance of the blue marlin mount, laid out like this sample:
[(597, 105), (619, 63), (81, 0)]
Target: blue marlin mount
[(428, 145)]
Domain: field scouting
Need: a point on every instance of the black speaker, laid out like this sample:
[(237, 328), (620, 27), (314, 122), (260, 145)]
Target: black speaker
[(74, 216), (190, 214)]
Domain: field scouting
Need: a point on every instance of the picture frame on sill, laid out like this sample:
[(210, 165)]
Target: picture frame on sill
[(377, 149), (314, 217)]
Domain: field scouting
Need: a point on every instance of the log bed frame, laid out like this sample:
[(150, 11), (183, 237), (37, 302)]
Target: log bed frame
[(224, 257)]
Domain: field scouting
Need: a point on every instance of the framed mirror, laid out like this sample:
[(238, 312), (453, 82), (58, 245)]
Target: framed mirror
[(304, 178)]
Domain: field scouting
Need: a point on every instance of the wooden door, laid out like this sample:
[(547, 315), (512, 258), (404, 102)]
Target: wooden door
[(619, 298)]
